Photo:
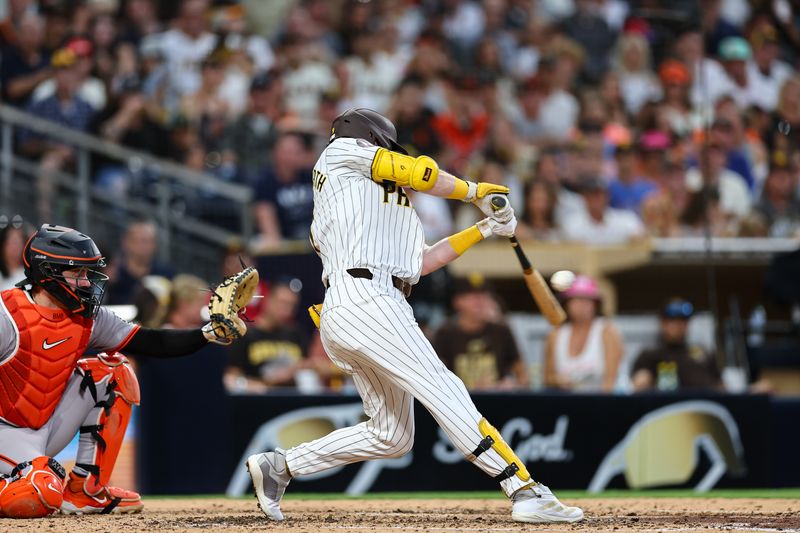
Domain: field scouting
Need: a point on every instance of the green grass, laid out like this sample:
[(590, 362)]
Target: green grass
[(793, 493)]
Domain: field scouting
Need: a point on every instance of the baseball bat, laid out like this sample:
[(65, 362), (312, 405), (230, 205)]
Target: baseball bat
[(547, 302)]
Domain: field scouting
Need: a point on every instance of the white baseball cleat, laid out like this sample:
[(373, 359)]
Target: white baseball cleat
[(538, 505), (270, 477)]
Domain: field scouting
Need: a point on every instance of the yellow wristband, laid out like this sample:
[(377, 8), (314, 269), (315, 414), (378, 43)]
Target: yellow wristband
[(465, 239), (460, 190)]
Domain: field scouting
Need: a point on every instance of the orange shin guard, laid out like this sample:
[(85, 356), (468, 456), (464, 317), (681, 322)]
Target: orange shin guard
[(34, 489), (109, 431)]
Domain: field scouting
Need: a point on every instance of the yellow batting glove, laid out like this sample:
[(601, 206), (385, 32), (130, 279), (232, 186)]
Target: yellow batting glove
[(484, 189), (469, 191)]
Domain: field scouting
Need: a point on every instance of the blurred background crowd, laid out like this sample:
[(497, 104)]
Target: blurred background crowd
[(610, 120)]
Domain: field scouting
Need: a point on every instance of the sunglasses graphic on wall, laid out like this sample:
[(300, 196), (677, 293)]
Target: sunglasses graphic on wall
[(663, 448)]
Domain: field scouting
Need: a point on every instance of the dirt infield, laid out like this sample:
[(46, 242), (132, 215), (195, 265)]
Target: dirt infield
[(310, 516)]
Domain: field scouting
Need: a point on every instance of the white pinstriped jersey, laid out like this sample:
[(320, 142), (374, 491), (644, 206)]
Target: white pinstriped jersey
[(359, 223)]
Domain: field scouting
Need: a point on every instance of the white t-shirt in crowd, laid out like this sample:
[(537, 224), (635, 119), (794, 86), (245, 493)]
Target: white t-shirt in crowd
[(617, 227), (734, 197), (764, 89), (183, 55)]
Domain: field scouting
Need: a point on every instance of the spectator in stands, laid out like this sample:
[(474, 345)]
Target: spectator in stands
[(591, 31), (611, 94), (305, 77), (637, 81), (477, 349), (735, 52), (10, 26), (284, 196), (538, 220), (12, 241), (673, 364), (734, 196), (137, 259), (140, 20), (704, 215), (206, 109), (766, 73), (629, 189), (151, 300), (188, 298), (583, 355), (90, 89), (464, 126), (710, 82), (430, 63), (527, 122), (676, 104), (368, 77), (274, 349), (66, 108), (249, 139), (57, 25), (662, 211), (715, 27), (25, 63), (127, 120), (784, 132), (186, 45), (723, 134), (652, 147), (559, 109), (413, 118), (600, 224), (779, 204)]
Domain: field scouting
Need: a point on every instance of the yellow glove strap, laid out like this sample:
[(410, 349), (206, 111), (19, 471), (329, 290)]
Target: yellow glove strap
[(463, 240)]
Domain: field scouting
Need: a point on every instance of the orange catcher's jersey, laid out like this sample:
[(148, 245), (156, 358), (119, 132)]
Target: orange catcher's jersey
[(359, 223), (39, 347)]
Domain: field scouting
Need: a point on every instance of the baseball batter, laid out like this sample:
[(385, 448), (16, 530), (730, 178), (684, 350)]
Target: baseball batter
[(373, 250), (48, 392)]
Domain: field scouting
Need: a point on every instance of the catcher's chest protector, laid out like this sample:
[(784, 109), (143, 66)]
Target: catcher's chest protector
[(50, 343)]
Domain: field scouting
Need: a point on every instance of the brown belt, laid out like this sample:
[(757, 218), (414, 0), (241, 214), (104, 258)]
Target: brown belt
[(365, 273)]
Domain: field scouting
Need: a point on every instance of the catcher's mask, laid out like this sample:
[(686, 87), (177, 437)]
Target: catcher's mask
[(363, 123), (52, 251)]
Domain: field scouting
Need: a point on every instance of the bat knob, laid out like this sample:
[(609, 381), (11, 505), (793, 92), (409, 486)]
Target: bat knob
[(498, 202)]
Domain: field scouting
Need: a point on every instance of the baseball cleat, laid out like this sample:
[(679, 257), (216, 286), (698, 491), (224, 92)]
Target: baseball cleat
[(270, 477), (538, 505), (77, 499)]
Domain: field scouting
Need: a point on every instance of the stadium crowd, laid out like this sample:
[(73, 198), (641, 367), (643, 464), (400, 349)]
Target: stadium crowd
[(610, 121)]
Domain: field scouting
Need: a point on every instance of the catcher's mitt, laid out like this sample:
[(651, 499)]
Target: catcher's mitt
[(227, 301)]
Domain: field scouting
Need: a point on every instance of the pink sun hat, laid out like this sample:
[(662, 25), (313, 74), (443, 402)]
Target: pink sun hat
[(582, 287)]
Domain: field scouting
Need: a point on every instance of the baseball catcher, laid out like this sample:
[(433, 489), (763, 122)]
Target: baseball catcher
[(49, 390), (373, 251)]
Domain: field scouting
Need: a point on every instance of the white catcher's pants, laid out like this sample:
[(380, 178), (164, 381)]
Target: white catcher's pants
[(76, 408), (369, 331)]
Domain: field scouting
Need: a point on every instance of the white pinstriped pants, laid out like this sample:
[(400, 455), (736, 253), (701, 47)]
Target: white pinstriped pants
[(369, 331)]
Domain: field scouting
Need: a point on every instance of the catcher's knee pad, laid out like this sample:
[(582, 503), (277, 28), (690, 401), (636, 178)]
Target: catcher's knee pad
[(34, 489), (493, 439), (122, 393)]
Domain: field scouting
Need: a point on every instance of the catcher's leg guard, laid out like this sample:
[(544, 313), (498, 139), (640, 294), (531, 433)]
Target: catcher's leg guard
[(101, 438), (493, 439), (34, 489)]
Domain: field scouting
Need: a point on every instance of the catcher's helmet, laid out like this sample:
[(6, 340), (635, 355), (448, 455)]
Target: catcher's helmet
[(363, 123), (54, 249)]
